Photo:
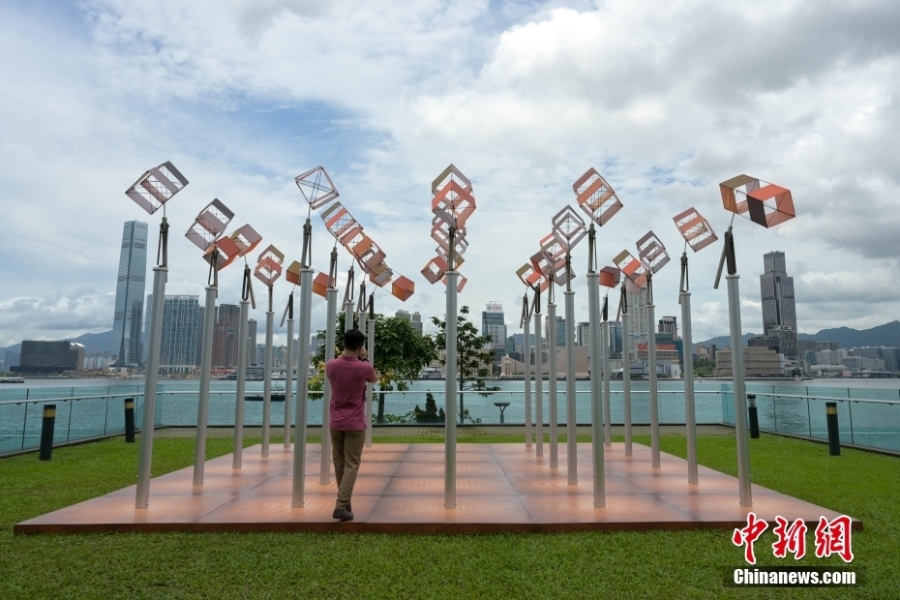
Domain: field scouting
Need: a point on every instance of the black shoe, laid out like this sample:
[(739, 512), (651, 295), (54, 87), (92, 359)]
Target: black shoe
[(349, 510), (343, 515)]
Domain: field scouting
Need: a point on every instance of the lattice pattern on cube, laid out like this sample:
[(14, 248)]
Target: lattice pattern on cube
[(532, 277), (440, 232), (341, 224), (734, 193), (610, 277), (451, 173), (367, 253), (381, 274), (458, 260), (568, 226), (246, 239), (228, 252), (209, 225), (316, 187), (435, 269), (652, 252), (156, 187), (695, 229), (770, 205), (268, 265), (596, 197), (403, 288), (634, 271), (454, 204)]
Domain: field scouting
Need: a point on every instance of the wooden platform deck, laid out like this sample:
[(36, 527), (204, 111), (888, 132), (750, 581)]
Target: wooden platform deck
[(400, 489)]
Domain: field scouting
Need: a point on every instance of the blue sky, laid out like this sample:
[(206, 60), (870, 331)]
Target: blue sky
[(665, 99)]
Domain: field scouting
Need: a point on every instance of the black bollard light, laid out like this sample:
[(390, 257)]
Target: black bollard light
[(502, 406), (834, 436), (129, 420), (47, 432), (754, 416)]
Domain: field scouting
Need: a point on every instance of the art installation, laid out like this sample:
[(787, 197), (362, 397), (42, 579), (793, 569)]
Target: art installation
[(205, 233), (151, 192), (768, 205), (697, 234), (452, 202)]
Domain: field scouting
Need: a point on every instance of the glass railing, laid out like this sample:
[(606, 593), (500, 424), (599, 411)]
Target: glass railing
[(866, 417)]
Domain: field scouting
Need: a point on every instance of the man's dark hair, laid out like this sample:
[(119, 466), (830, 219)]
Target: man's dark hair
[(353, 340)]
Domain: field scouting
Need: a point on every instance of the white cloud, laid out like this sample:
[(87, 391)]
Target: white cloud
[(664, 98)]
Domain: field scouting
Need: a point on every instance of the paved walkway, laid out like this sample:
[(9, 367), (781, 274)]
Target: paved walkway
[(387, 431)]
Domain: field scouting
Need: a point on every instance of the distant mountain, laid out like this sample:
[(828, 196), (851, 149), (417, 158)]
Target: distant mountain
[(882, 335), (93, 342)]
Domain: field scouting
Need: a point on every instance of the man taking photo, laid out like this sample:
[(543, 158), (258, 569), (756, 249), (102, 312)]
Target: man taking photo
[(348, 375)]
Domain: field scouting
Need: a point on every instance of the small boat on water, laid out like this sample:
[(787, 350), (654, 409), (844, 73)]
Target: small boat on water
[(277, 395), (12, 380)]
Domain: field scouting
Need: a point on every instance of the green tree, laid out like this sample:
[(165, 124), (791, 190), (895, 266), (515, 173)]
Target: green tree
[(400, 354), (704, 367), (473, 360)]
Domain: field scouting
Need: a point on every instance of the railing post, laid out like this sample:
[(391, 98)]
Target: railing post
[(834, 437), (71, 410), (754, 416), (47, 424), (850, 408), (106, 415), (129, 420), (24, 423)]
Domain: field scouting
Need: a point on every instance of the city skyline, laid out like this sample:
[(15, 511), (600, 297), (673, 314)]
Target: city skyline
[(228, 100), (126, 348)]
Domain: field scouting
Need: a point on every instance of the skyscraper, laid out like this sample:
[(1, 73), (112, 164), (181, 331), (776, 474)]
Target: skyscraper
[(417, 322), (180, 334), (669, 325), (125, 348), (494, 325), (225, 334), (252, 358), (556, 334), (778, 308), (582, 333)]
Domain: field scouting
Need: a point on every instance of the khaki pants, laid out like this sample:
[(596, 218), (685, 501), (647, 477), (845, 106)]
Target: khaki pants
[(346, 451)]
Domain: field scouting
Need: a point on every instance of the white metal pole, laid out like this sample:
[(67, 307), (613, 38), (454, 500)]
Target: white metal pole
[(538, 387), (363, 327), (243, 326), (331, 316), (552, 384), (626, 381), (288, 384), (298, 486), (527, 329), (690, 417), (571, 431), (607, 408), (348, 317), (654, 395), (145, 458), (597, 454), (740, 398), (209, 321), (267, 384), (450, 394), (370, 387)]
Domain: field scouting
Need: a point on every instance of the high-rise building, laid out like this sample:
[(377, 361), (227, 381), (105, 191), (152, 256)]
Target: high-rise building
[(639, 326), (669, 325), (180, 334), (125, 348), (251, 343), (225, 334), (778, 306), (556, 334), (615, 339), (50, 357), (494, 325), (417, 322), (582, 333)]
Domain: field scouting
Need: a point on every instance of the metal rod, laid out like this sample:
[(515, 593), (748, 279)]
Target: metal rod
[(607, 408), (289, 384), (298, 485), (330, 318), (450, 394), (363, 327), (597, 454), (243, 334), (571, 432), (740, 398), (654, 395), (538, 387), (370, 387), (690, 415), (527, 330), (267, 380), (209, 323), (626, 373), (145, 458), (553, 385)]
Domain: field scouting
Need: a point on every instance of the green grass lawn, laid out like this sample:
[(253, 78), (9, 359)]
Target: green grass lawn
[(660, 564)]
